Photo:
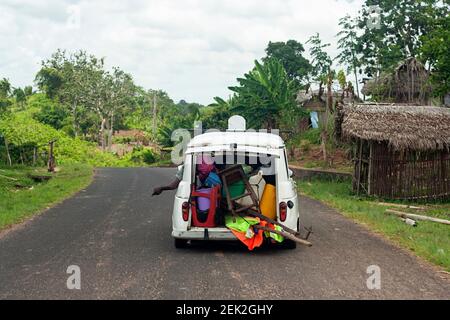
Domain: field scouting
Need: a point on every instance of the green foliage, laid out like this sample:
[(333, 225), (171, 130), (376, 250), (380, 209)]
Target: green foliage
[(321, 61), (92, 95), (21, 131), (436, 50), (265, 96), (402, 23), (140, 156), (5, 88), (216, 115), (290, 54), (175, 116), (342, 79), (52, 113), (347, 45)]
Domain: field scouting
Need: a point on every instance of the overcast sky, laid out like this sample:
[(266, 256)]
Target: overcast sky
[(192, 49)]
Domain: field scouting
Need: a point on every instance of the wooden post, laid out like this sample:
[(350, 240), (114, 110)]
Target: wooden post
[(51, 158), (8, 155), (358, 181), (154, 115)]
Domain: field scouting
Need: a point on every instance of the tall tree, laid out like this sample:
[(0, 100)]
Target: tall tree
[(321, 61), (290, 54), (65, 76), (20, 97), (436, 50), (347, 45), (396, 35)]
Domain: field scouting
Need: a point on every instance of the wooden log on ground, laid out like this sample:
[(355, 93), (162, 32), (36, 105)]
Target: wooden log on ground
[(417, 217), (404, 206), (286, 235)]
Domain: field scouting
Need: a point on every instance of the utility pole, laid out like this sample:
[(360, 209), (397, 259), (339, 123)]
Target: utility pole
[(154, 115)]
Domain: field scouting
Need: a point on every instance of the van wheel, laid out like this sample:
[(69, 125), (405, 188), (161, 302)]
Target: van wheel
[(289, 244), (180, 243)]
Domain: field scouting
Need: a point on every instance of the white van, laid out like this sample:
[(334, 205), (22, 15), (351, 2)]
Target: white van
[(236, 145)]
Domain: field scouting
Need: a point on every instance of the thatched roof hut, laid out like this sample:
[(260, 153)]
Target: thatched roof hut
[(403, 127), (407, 83), (401, 152)]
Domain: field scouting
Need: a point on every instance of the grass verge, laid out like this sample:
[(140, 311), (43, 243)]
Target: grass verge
[(22, 197), (428, 240)]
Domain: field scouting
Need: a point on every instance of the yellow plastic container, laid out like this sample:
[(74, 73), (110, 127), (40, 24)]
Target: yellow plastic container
[(268, 203)]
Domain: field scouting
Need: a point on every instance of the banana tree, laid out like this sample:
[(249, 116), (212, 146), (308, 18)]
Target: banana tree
[(265, 94)]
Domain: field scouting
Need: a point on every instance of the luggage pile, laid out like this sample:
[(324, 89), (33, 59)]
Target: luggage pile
[(241, 198)]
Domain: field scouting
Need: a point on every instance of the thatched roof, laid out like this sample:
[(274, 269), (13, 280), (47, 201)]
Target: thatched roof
[(403, 127), (408, 83)]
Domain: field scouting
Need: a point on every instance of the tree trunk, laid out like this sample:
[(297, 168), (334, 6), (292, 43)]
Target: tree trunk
[(102, 133), (329, 94), (8, 155), (111, 131), (74, 115), (320, 90), (356, 74)]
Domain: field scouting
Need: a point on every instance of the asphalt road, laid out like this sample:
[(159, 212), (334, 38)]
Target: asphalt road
[(120, 238)]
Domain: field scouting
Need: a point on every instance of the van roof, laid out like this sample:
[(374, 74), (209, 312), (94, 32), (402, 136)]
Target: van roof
[(246, 138)]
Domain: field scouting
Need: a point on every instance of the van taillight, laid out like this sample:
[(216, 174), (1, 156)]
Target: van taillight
[(283, 211), (185, 211)]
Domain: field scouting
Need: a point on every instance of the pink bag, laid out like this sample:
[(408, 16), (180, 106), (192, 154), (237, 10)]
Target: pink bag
[(205, 164)]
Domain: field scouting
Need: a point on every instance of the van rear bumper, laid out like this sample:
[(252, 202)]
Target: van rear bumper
[(200, 234)]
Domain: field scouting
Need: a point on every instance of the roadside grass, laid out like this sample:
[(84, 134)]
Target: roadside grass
[(428, 240), (22, 197)]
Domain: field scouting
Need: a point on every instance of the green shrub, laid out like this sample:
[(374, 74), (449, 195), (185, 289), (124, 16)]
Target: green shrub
[(139, 156)]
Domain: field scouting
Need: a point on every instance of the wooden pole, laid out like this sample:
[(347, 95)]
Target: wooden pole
[(154, 115), (8, 155), (369, 179), (34, 156), (51, 159), (286, 235), (416, 216)]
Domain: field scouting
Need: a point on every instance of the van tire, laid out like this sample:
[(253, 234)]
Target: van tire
[(289, 244), (180, 243)]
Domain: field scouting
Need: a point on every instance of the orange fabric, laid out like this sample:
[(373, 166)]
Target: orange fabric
[(255, 241)]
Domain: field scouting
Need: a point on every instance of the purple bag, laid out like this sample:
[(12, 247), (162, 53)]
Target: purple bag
[(204, 204)]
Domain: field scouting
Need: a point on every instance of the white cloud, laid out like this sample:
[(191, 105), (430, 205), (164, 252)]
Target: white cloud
[(193, 49)]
